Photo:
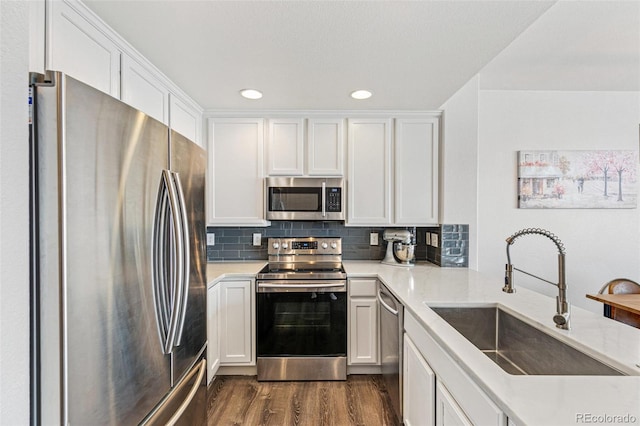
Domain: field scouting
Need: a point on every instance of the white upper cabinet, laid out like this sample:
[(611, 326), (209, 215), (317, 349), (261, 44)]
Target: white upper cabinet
[(412, 167), (143, 90), (77, 47), (317, 152), (325, 147), (369, 163), (416, 171), (66, 36), (185, 118), (285, 147), (235, 190), (37, 36)]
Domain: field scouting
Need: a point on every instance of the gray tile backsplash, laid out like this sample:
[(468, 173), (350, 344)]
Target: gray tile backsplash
[(236, 243)]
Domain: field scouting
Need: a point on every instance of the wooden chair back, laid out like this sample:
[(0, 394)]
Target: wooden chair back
[(621, 286)]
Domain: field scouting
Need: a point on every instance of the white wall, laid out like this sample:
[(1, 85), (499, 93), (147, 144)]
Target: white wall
[(600, 244), (459, 163), (14, 214)]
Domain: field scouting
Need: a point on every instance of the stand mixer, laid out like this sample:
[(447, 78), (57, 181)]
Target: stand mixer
[(400, 249)]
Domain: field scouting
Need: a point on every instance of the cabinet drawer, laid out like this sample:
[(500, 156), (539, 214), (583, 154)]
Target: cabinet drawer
[(366, 287)]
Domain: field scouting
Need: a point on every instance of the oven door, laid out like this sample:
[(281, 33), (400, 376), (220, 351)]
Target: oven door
[(301, 330)]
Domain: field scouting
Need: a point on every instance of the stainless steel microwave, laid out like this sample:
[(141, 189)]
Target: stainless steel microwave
[(305, 198)]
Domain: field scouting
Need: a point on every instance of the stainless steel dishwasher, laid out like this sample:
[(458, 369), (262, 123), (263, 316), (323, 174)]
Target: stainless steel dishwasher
[(391, 323)]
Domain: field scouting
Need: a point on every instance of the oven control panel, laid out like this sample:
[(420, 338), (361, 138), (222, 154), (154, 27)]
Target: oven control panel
[(305, 245)]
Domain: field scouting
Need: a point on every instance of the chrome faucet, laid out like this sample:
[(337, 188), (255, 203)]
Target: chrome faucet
[(561, 318)]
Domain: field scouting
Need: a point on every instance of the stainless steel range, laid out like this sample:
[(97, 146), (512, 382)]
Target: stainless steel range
[(302, 311)]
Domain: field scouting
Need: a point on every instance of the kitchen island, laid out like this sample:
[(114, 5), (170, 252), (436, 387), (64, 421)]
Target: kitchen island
[(526, 400)]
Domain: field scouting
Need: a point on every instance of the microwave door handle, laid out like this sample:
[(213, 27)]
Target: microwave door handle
[(324, 199)]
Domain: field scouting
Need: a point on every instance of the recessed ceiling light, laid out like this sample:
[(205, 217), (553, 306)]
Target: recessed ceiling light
[(251, 93), (361, 94)]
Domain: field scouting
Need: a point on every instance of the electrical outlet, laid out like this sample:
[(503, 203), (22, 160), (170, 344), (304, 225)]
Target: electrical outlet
[(427, 238), (257, 239), (211, 239), (373, 239), (434, 239)]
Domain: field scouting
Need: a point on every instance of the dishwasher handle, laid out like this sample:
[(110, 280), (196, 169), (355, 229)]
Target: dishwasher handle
[(385, 305)]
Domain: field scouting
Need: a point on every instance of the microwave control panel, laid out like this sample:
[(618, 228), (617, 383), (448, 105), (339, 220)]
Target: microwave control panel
[(334, 199)]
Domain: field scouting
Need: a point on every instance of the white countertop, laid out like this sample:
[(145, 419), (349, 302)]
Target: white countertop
[(530, 400), (218, 271), (527, 400)]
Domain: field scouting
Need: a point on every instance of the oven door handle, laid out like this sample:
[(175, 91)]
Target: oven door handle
[(301, 286)]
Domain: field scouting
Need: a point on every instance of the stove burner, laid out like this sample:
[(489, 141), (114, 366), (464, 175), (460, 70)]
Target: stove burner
[(304, 258)]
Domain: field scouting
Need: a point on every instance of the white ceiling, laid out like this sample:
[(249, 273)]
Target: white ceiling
[(311, 54), (575, 45)]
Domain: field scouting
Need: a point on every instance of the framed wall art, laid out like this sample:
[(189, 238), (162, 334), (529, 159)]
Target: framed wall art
[(577, 179)]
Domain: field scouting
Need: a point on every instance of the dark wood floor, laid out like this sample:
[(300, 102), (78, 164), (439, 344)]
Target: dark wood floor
[(242, 400)]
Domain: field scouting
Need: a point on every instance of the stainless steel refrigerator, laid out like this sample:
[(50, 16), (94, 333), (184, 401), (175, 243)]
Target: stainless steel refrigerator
[(119, 266)]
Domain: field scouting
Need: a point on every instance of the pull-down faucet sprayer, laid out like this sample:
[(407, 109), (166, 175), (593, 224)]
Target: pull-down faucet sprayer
[(561, 318)]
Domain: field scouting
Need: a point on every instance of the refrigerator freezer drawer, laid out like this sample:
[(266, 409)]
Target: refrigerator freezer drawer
[(187, 403)]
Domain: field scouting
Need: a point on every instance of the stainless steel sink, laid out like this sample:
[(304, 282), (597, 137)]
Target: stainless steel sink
[(519, 348)]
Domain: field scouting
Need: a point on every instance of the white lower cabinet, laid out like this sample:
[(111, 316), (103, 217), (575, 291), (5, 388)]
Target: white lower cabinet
[(363, 346), (213, 331), (458, 399), (448, 412), (237, 331), (418, 387)]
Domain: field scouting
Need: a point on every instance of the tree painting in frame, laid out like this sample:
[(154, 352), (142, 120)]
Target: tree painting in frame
[(577, 179)]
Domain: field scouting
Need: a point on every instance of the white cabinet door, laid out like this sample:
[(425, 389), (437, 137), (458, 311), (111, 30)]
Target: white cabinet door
[(416, 171), (143, 90), (325, 147), (418, 387), (37, 36), (78, 48), (369, 157), (213, 331), (363, 322), (185, 119), (363, 347), (236, 323), (448, 412), (235, 190), (285, 147)]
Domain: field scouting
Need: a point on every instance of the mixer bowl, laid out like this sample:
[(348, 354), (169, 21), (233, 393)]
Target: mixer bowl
[(404, 253)]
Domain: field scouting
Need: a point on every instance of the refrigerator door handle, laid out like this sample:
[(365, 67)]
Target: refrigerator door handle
[(184, 257), (159, 272), (185, 404), (178, 250)]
